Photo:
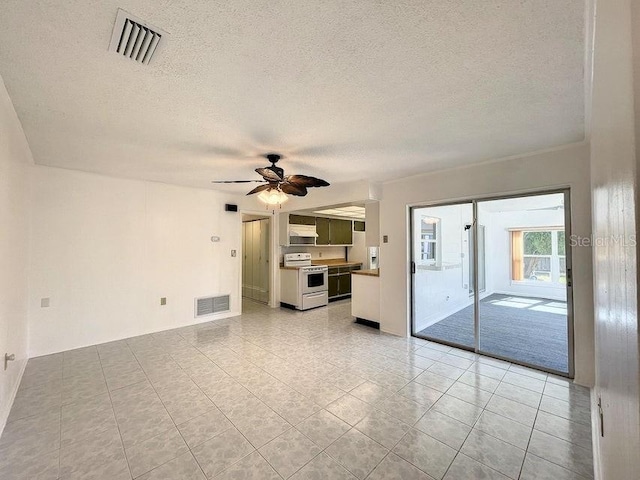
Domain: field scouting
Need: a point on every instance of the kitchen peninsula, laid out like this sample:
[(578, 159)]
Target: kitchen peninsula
[(365, 293)]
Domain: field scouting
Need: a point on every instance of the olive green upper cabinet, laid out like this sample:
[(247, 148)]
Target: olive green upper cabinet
[(301, 220), (341, 232), (322, 229)]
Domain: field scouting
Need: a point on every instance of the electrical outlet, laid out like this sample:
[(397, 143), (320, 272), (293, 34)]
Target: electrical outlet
[(45, 302), (163, 300), (233, 253), (385, 239)]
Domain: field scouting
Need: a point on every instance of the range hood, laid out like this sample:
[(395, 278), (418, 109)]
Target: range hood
[(308, 231)]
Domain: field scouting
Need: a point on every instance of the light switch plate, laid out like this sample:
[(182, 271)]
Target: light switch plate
[(45, 302), (163, 300), (233, 253)]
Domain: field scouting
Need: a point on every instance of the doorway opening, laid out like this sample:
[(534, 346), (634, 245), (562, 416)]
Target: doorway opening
[(494, 276), (256, 244)]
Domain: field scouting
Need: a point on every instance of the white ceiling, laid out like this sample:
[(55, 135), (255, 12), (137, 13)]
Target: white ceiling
[(347, 90)]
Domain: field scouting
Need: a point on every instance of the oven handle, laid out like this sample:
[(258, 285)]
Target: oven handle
[(313, 295)]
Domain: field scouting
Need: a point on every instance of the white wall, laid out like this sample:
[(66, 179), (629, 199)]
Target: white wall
[(106, 249), (358, 252), (323, 253), (615, 150), (15, 168), (372, 217), (566, 166)]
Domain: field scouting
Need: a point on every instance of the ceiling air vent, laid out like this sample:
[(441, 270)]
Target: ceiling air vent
[(134, 38), (210, 305)]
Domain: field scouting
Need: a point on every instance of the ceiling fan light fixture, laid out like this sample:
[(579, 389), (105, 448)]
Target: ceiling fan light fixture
[(273, 196)]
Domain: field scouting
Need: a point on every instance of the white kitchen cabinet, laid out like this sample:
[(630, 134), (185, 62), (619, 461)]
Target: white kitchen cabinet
[(365, 295)]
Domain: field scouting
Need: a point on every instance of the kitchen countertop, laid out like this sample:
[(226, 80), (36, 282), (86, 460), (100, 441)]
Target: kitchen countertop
[(330, 262), (374, 272), (334, 262)]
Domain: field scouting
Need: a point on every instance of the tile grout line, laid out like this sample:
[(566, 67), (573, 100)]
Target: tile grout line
[(165, 409), (124, 450)]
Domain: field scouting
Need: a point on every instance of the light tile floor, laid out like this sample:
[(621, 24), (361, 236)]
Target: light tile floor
[(280, 394)]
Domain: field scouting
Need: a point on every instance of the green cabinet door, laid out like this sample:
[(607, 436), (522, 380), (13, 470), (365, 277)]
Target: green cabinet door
[(345, 284), (301, 220), (349, 236), (334, 286), (335, 232), (341, 232), (322, 229)]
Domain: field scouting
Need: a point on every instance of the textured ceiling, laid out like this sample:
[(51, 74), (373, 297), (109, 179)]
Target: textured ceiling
[(347, 90)]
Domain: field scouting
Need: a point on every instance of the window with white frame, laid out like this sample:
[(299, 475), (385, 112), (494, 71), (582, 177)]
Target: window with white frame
[(538, 255), (429, 240)]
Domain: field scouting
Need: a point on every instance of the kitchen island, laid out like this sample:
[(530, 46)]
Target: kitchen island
[(365, 296)]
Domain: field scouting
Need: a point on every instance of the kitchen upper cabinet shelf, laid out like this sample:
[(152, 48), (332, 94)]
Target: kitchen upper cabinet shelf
[(328, 231)]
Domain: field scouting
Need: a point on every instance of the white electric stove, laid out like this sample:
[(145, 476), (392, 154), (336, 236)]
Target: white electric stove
[(302, 285)]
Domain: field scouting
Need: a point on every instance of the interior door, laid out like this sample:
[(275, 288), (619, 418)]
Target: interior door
[(255, 260), (246, 259), (442, 307)]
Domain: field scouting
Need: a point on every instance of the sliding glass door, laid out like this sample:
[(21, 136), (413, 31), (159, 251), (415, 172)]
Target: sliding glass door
[(524, 317), (442, 288), (494, 276)]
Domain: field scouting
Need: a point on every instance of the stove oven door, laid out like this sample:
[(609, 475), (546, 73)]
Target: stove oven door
[(313, 282)]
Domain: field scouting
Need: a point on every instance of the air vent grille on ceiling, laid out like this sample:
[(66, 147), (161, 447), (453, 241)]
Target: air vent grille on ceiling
[(134, 38), (211, 305)]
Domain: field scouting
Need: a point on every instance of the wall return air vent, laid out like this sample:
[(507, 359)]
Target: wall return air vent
[(135, 39), (211, 305)]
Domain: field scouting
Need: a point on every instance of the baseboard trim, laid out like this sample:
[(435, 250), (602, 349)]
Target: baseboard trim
[(189, 323), (368, 323), (595, 435), (4, 413)]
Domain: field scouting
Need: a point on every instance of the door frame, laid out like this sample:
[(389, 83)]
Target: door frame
[(566, 191)]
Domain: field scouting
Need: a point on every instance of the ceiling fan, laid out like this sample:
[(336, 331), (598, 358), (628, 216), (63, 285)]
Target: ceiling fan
[(277, 185)]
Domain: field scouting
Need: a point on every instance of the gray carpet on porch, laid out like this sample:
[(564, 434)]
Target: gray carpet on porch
[(527, 334)]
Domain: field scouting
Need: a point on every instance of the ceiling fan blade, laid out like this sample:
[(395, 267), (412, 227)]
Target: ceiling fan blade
[(237, 181), (271, 174), (259, 189), (305, 181), (298, 190)]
